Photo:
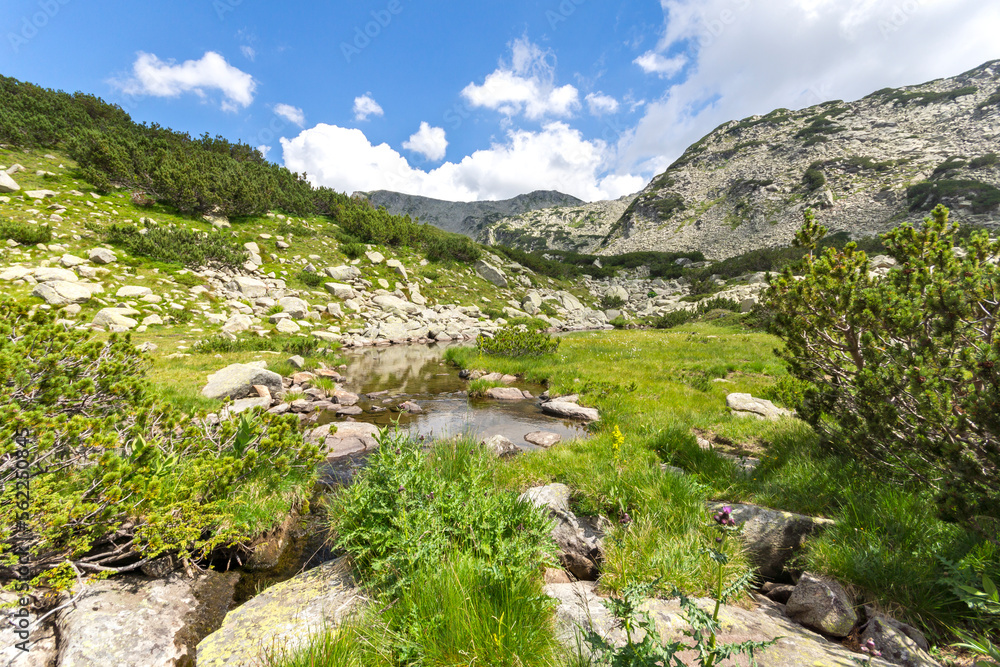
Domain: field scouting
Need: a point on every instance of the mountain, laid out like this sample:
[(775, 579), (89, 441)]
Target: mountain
[(864, 166), (465, 217)]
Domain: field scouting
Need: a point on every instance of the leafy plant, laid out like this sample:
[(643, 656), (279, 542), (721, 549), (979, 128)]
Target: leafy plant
[(903, 370), (24, 233), (352, 250), (609, 302), (517, 341), (168, 243)]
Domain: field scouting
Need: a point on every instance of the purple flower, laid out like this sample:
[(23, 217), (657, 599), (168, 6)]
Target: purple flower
[(724, 517)]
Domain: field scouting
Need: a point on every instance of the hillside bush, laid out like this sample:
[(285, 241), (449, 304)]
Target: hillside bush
[(172, 244), (115, 478), (24, 233), (903, 371), (609, 302), (517, 341), (926, 195)]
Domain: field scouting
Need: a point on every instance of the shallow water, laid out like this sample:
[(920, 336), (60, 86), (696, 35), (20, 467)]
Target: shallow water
[(417, 373)]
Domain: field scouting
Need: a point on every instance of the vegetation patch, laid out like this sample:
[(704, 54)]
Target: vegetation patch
[(926, 195), (517, 341), (814, 178), (24, 233), (923, 98), (172, 244)]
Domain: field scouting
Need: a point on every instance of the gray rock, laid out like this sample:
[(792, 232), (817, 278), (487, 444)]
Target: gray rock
[(116, 318), (398, 267), (500, 446), (340, 290), (411, 407), (287, 326), (39, 194), (244, 404), (69, 261), (772, 537), (102, 256), (544, 439), (63, 293), (152, 320), (294, 306), (297, 361), (569, 302), (898, 643), (617, 292), (343, 273), (579, 606), (132, 292), (570, 410), (745, 405), (238, 323), (48, 274), (579, 546), (283, 617), (18, 272), (8, 184), (393, 304), (249, 287), (135, 621), (236, 381), (822, 604), (375, 257), (342, 439), (491, 274), (505, 394)]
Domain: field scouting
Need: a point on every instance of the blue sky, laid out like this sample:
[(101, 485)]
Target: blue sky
[(484, 100)]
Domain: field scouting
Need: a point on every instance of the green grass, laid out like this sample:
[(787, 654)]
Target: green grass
[(479, 388)]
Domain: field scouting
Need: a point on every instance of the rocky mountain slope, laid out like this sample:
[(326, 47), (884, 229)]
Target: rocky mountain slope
[(865, 166), (579, 228), (465, 217)]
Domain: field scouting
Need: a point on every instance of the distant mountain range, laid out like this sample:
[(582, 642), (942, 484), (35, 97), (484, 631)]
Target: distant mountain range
[(864, 166)]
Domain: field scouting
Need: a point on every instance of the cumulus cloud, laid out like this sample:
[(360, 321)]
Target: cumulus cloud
[(291, 114), (429, 142), (752, 57), (524, 85), (159, 78), (601, 104), (557, 157), (655, 63), (366, 106)]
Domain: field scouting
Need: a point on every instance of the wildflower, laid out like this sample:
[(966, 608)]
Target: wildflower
[(870, 648), (625, 519), (402, 488), (724, 518)]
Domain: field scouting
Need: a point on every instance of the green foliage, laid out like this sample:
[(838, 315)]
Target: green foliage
[(168, 243), (565, 264), (609, 302), (452, 248), (25, 233), (988, 160), (479, 388), (668, 205), (820, 127), (674, 318), (223, 344), (923, 98), (353, 250), (309, 278), (517, 341), (992, 100), (118, 478), (408, 510), (926, 195), (923, 336), (952, 163), (814, 179)]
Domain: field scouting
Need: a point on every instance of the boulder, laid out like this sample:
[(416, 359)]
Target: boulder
[(17, 273), (580, 609), (63, 293), (297, 361), (295, 307), (544, 439), (569, 302), (102, 256), (772, 537), (132, 292), (283, 617), (500, 446), (375, 257), (505, 394), (491, 274), (411, 407), (48, 274), (346, 439), (745, 405), (343, 273), (340, 290), (287, 326), (248, 287), (116, 319), (570, 410), (398, 267), (579, 546), (237, 381), (152, 320), (237, 323), (132, 620), (8, 184), (39, 194), (617, 292), (898, 643), (69, 261), (822, 604), (393, 304), (244, 404)]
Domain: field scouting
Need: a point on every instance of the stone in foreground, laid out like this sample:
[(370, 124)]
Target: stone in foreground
[(822, 604), (283, 617), (544, 439), (745, 405), (505, 394), (500, 446), (570, 411), (63, 293), (579, 546), (237, 381)]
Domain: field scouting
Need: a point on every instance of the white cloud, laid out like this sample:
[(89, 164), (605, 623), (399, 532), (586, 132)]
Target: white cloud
[(291, 114), (428, 141), (555, 158), (366, 106), (152, 76), (601, 104), (248, 53), (264, 150), (525, 85), (655, 63), (753, 57)]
